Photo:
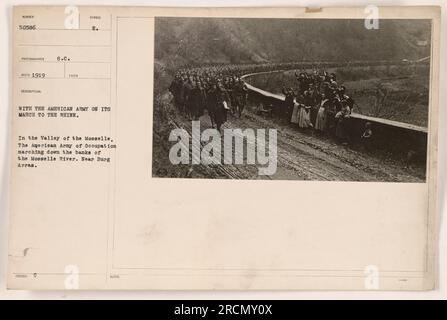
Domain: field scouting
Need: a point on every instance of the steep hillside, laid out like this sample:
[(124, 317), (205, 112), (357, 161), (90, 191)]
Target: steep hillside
[(184, 41)]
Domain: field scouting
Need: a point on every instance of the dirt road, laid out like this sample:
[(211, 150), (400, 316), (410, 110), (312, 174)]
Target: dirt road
[(301, 155)]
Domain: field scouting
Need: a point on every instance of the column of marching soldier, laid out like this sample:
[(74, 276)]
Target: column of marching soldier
[(318, 103), (214, 89)]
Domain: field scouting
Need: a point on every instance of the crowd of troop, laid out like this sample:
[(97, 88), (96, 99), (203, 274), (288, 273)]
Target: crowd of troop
[(318, 102), (218, 90)]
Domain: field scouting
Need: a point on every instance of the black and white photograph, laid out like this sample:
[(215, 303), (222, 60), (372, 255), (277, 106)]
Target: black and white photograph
[(229, 151), (291, 99)]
